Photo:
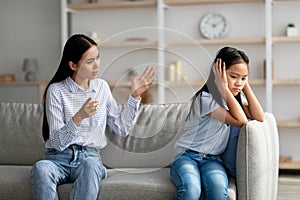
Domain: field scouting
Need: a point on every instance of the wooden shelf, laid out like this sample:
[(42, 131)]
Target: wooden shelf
[(286, 82), (285, 39), (128, 44), (106, 5), (285, 0), (205, 42), (22, 83), (288, 123), (290, 165), (199, 2), (224, 41), (257, 82)]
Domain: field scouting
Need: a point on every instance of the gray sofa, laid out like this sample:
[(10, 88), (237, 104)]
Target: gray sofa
[(138, 164)]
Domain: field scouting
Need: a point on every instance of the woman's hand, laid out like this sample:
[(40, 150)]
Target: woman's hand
[(140, 85), (89, 108), (221, 82)]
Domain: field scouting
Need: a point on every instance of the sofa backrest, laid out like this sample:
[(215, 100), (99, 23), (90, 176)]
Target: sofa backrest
[(150, 143), (21, 139)]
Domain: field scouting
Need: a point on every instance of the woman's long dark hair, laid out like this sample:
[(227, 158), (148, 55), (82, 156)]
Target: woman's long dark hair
[(230, 56), (74, 48)]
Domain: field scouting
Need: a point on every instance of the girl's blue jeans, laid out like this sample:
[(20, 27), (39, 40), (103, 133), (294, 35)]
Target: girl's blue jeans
[(191, 173), (76, 164)]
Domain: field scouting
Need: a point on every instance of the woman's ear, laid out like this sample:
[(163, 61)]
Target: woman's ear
[(73, 66)]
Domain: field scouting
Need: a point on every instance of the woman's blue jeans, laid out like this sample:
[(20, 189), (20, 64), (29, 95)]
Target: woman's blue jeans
[(191, 173), (76, 164)]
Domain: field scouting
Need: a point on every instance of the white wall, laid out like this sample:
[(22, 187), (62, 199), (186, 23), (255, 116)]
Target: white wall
[(29, 28)]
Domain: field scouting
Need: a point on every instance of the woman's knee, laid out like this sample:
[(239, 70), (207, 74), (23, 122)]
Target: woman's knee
[(41, 168), (93, 165)]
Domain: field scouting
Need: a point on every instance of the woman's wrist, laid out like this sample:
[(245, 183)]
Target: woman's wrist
[(136, 95), (77, 119)]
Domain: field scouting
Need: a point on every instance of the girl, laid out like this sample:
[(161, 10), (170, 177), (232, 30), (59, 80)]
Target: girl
[(215, 107), (77, 107)]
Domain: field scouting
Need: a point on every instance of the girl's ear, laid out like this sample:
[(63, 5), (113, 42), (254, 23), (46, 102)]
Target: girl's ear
[(73, 66)]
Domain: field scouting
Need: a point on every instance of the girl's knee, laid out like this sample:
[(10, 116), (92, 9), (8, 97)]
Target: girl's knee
[(189, 191)]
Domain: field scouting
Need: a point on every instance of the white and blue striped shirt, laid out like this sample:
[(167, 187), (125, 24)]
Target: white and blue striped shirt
[(65, 98)]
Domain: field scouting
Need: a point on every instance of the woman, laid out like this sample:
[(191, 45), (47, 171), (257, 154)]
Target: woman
[(77, 107), (218, 105)]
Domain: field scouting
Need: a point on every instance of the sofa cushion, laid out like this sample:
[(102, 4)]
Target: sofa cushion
[(146, 184), (258, 160), (152, 184), (21, 139), (15, 182)]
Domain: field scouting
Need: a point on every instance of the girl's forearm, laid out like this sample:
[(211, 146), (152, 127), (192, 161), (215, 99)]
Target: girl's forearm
[(255, 108), (234, 108)]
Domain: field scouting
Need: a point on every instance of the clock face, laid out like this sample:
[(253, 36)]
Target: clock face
[(214, 25)]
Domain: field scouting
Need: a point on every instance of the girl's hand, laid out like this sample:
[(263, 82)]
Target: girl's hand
[(88, 109), (219, 70), (140, 85), (246, 86)]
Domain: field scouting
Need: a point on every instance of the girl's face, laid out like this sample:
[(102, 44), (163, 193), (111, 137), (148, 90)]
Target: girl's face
[(88, 66), (237, 76)]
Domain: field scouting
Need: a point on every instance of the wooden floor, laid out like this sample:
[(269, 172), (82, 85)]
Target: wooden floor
[(289, 187)]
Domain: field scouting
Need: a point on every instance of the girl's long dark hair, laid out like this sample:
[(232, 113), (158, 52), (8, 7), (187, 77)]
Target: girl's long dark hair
[(230, 56), (73, 50)]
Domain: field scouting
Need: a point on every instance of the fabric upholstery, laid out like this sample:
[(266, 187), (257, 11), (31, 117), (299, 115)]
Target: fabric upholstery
[(15, 182), (151, 141), (21, 141), (258, 160)]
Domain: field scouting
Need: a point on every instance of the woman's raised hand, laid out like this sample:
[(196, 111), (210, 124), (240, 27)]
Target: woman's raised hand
[(141, 84)]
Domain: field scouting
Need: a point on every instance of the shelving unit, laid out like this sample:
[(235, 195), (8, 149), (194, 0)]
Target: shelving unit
[(162, 43), (106, 5), (286, 85)]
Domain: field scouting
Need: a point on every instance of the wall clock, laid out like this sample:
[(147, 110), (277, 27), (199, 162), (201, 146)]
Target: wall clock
[(214, 25)]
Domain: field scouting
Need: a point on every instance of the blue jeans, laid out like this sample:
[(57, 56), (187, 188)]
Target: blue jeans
[(191, 173), (76, 164)]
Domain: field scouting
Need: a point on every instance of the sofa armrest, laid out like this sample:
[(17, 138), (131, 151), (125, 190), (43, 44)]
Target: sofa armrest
[(258, 160)]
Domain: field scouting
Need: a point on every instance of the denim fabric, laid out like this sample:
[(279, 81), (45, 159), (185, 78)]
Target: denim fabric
[(76, 164), (190, 173), (229, 155)]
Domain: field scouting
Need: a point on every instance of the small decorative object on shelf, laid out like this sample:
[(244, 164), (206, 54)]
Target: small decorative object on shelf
[(7, 77), (178, 69), (175, 71), (30, 67), (172, 72), (291, 30), (130, 73)]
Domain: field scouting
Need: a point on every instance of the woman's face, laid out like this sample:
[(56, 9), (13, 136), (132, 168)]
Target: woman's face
[(237, 76), (88, 66)]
